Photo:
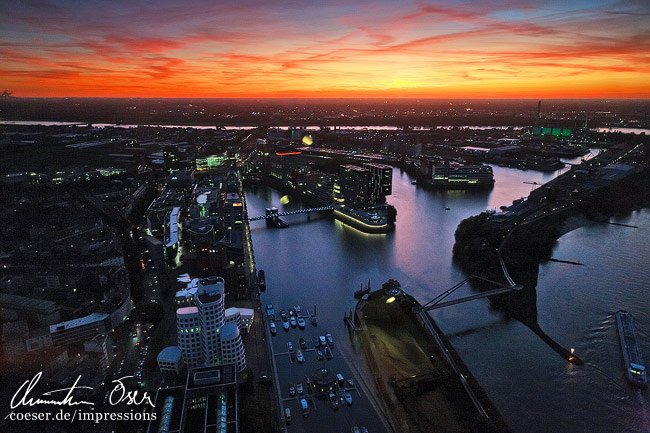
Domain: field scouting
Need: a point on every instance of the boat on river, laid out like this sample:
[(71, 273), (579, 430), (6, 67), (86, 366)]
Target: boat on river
[(632, 355), (330, 340), (261, 280)]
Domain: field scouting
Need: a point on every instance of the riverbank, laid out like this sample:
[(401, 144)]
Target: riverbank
[(525, 234), (410, 373)]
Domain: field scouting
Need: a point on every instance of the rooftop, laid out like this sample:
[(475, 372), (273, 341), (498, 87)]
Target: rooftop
[(187, 310), (81, 321), (14, 330), (353, 168), (377, 165), (210, 289), (229, 331), (170, 354), (14, 302)]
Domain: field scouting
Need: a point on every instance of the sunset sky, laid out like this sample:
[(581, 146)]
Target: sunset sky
[(196, 48)]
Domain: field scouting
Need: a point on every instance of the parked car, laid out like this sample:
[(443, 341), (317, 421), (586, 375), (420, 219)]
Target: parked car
[(287, 415), (305, 407)]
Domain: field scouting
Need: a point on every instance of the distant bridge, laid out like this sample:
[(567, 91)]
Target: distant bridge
[(273, 213)]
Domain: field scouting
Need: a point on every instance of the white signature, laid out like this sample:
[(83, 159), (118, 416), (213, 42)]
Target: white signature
[(118, 394)]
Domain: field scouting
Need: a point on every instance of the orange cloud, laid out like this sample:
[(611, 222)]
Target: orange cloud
[(271, 48)]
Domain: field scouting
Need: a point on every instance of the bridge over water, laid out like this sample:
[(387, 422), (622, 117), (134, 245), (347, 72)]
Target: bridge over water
[(273, 213)]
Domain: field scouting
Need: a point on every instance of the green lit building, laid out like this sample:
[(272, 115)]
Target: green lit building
[(214, 162), (552, 131)]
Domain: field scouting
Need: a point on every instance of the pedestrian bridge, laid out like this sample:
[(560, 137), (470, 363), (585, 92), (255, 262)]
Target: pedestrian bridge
[(273, 212)]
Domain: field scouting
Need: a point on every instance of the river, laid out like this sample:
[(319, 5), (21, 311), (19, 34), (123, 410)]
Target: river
[(322, 262)]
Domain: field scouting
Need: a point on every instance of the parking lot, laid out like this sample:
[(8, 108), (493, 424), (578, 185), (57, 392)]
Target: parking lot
[(336, 403)]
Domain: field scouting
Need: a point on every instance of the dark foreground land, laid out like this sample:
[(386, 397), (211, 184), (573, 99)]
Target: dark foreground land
[(412, 376)]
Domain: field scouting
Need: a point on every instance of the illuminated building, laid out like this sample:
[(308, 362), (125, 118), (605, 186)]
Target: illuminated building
[(381, 182), (553, 132), (213, 162), (204, 336), (205, 402), (172, 235), (171, 158), (354, 182), (457, 175), (188, 333)]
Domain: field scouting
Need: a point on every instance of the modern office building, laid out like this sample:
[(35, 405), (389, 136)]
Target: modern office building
[(214, 162), (170, 360), (171, 156), (188, 335), (206, 403), (354, 182), (204, 337), (233, 211), (172, 233), (158, 211), (83, 328), (462, 176), (210, 298), (381, 182), (243, 317), (231, 346)]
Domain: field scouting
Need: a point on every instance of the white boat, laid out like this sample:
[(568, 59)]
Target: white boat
[(293, 321), (299, 356), (301, 323), (285, 324), (348, 398), (330, 340), (273, 328), (322, 341), (296, 308)]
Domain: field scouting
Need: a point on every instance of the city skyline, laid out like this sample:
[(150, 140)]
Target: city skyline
[(515, 49)]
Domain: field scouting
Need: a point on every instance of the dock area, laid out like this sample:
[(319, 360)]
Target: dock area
[(421, 379)]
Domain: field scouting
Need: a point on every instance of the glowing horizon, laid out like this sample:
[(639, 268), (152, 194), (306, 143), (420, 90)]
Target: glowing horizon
[(374, 49)]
